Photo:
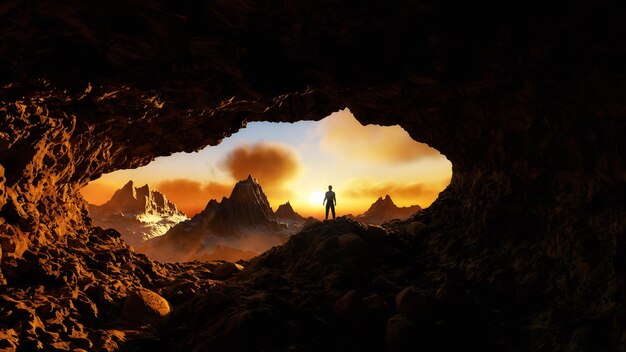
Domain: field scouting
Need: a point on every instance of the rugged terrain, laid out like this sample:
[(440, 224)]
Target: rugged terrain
[(138, 213), (238, 227), (524, 250)]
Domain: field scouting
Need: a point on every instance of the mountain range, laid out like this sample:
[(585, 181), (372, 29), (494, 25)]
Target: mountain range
[(137, 213), (238, 227)]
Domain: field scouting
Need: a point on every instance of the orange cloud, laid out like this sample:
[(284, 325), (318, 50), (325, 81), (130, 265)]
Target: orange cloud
[(272, 164), (192, 196), (344, 136)]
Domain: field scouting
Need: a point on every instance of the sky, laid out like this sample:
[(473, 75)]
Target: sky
[(296, 162)]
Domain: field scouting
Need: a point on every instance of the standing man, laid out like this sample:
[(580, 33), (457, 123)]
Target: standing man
[(330, 201)]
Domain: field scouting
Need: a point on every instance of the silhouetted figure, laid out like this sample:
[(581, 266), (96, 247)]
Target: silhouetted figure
[(330, 201)]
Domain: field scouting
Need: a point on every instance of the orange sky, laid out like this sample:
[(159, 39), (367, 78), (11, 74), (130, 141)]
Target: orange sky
[(296, 163)]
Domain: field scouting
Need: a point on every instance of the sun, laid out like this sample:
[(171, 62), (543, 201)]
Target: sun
[(316, 198)]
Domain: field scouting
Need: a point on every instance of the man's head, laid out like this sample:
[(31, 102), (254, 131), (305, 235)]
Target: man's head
[(330, 188)]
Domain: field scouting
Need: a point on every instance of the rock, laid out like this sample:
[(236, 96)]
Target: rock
[(145, 306), (415, 305), (8, 339), (350, 306), (226, 270), (415, 228), (402, 335), (351, 244)]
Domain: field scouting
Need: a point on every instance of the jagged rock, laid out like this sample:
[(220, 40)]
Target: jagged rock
[(145, 306), (385, 209), (8, 339), (226, 270), (138, 213)]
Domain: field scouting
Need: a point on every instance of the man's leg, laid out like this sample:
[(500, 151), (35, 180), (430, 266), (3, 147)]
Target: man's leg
[(327, 207), (332, 207)]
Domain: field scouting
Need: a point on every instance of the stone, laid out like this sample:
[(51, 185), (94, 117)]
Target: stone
[(226, 270), (402, 335), (145, 306), (350, 306), (415, 305), (351, 244), (415, 228)]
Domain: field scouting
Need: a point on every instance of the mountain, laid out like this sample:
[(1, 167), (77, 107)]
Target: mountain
[(286, 213), (243, 223), (385, 209), (138, 213)]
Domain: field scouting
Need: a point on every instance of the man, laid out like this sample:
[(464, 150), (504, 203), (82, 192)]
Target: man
[(330, 201)]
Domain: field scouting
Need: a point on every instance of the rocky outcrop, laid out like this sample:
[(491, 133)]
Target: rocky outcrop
[(241, 225), (138, 213), (385, 209), (525, 248)]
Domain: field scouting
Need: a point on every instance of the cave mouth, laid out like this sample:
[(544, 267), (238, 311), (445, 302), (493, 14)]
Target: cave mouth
[(371, 168)]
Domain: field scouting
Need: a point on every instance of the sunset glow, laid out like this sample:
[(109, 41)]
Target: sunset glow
[(296, 162)]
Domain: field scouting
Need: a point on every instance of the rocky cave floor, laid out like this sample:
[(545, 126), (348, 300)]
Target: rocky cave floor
[(337, 285)]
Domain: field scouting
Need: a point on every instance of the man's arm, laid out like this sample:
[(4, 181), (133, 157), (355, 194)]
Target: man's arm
[(324, 201)]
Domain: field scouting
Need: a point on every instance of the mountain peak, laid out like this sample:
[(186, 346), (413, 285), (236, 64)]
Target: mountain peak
[(385, 209), (137, 200), (286, 212)]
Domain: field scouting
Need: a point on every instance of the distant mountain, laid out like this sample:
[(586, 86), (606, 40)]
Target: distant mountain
[(286, 213), (385, 209), (244, 223), (137, 213)]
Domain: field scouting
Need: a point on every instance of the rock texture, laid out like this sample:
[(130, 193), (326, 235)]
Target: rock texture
[(525, 248), (385, 209), (138, 213), (239, 227)]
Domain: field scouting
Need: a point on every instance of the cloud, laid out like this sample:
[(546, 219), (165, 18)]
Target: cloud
[(272, 164), (344, 136), (192, 196)]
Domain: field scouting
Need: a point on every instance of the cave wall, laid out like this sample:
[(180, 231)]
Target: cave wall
[(526, 100)]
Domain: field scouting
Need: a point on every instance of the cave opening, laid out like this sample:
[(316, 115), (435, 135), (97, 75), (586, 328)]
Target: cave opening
[(264, 183)]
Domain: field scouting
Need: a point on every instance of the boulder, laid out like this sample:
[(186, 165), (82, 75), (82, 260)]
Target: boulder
[(226, 270), (352, 244), (144, 306), (415, 305), (402, 334)]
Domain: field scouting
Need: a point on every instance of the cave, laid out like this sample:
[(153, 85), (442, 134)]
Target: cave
[(523, 250)]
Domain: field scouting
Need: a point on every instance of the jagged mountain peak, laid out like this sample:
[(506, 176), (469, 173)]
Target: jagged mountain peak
[(138, 213), (384, 209), (286, 212)]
